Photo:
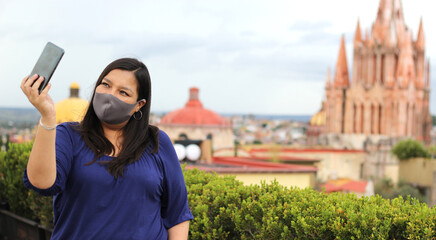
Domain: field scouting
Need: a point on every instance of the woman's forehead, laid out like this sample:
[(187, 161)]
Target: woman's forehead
[(122, 78)]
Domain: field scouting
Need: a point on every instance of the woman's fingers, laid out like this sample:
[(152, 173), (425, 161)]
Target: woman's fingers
[(24, 81), (46, 89), (37, 83), (30, 85), (42, 102), (30, 80)]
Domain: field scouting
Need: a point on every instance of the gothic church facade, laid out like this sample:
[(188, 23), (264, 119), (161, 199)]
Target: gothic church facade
[(387, 94)]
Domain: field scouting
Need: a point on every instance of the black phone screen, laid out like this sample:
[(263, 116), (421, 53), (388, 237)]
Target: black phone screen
[(47, 63)]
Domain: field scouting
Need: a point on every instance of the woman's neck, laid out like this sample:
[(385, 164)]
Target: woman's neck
[(115, 135)]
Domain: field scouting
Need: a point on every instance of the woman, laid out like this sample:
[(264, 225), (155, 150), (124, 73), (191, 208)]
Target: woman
[(113, 176)]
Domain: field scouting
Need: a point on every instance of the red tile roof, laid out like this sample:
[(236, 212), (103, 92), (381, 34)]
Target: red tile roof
[(307, 150), (345, 185), (246, 165)]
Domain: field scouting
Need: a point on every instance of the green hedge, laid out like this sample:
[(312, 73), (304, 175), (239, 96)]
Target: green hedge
[(224, 208), (22, 201)]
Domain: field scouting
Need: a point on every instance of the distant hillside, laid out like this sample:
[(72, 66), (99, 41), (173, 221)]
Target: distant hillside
[(296, 118), (18, 116)]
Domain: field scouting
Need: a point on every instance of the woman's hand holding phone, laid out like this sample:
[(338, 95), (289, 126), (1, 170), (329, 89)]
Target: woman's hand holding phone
[(42, 102)]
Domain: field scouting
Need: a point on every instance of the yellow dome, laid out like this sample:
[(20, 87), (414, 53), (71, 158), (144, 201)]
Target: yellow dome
[(74, 85), (71, 110), (318, 119)]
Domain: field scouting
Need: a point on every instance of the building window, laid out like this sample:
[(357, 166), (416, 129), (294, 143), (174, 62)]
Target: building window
[(209, 136), (183, 136)]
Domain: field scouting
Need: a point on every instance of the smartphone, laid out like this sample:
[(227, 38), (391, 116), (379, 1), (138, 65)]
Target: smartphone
[(47, 63)]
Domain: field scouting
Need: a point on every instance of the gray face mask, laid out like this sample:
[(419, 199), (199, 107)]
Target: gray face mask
[(110, 109)]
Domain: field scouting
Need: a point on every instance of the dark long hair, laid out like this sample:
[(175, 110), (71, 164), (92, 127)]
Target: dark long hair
[(138, 135)]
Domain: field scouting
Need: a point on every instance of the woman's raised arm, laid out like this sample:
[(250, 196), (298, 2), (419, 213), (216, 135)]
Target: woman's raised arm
[(41, 168)]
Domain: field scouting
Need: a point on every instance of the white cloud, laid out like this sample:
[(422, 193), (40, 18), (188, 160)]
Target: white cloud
[(246, 56)]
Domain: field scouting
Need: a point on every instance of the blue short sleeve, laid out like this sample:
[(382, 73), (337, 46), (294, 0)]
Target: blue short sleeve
[(64, 155), (175, 207)]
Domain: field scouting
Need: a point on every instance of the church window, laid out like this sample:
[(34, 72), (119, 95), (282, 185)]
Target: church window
[(382, 69), (374, 69), (362, 117), (379, 119), (354, 118), (372, 119)]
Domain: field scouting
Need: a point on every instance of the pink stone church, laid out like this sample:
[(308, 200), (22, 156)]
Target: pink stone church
[(387, 94)]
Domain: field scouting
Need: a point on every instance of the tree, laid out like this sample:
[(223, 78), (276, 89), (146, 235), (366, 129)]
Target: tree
[(409, 148)]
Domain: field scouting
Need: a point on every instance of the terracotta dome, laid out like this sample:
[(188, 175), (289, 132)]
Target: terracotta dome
[(194, 114)]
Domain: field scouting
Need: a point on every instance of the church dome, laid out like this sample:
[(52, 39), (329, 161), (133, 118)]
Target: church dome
[(194, 114), (73, 108), (319, 119), (74, 85)]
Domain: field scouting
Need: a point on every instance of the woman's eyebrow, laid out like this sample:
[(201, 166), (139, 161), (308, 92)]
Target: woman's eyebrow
[(124, 88)]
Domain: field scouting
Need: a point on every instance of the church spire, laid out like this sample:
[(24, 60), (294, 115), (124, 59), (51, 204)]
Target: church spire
[(389, 10), (406, 65), (420, 41), (391, 39), (341, 75), (328, 82), (357, 35)]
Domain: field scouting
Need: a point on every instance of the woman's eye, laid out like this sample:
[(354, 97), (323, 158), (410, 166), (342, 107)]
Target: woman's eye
[(124, 93), (105, 84)]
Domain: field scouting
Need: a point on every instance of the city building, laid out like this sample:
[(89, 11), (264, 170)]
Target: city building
[(331, 164), (254, 171), (387, 95), (420, 173), (194, 122)]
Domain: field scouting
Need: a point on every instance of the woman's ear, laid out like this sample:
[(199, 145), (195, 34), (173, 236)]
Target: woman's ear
[(141, 103)]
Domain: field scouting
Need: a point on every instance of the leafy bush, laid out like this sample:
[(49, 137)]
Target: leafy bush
[(432, 151), (409, 148), (2, 183), (22, 201), (387, 189), (224, 208)]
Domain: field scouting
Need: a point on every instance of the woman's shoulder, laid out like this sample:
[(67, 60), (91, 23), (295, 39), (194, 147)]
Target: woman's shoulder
[(163, 134), (68, 128), (164, 139)]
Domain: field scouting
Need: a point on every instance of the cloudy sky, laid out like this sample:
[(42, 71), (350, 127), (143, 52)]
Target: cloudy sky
[(249, 56)]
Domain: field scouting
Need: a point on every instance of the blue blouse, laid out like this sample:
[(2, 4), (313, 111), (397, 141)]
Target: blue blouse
[(89, 203)]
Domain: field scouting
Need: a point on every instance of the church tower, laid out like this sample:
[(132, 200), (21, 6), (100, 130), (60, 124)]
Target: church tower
[(388, 95)]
